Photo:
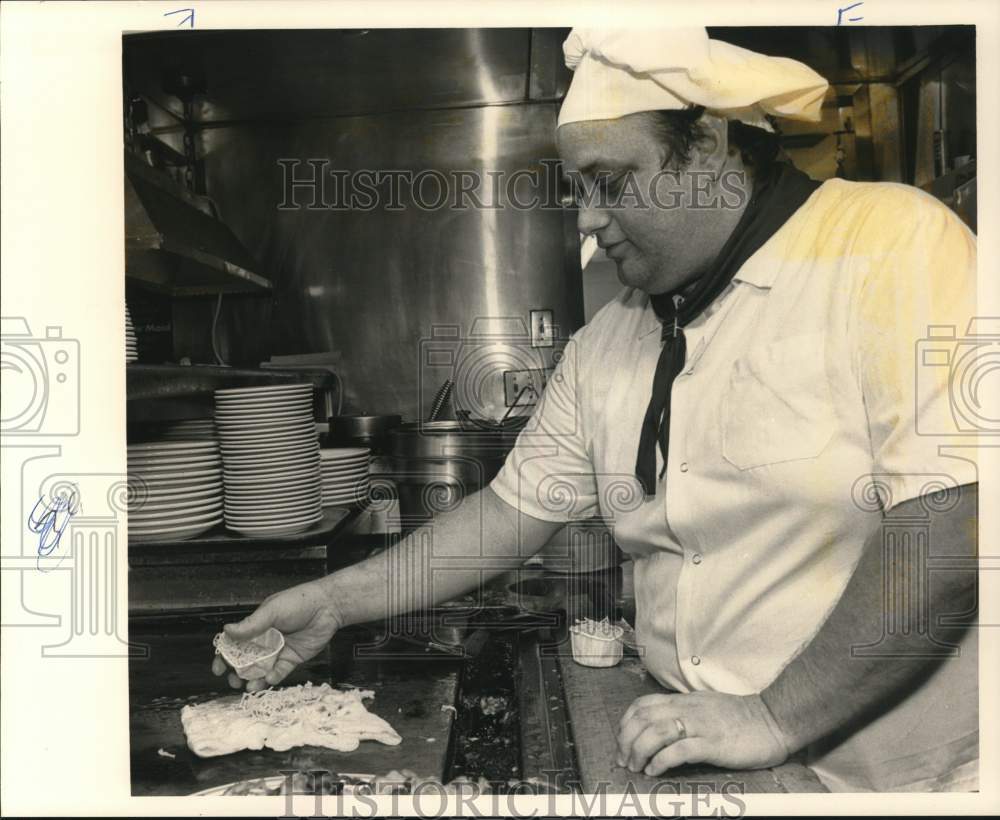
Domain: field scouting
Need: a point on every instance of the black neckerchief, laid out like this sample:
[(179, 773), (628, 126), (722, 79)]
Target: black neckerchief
[(776, 196)]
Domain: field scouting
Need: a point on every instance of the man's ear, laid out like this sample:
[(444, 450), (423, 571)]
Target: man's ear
[(711, 151)]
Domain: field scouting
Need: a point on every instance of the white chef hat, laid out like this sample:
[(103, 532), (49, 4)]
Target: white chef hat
[(624, 71)]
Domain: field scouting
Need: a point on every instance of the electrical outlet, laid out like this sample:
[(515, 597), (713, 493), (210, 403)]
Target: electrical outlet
[(523, 387), (542, 329)]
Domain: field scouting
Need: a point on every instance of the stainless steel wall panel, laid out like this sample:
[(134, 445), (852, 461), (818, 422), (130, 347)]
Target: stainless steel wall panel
[(374, 284)]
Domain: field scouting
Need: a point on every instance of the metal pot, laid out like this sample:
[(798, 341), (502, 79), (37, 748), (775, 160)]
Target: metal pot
[(437, 464), (362, 430)]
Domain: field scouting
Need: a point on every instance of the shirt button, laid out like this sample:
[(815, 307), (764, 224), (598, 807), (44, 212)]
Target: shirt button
[(696, 558), (684, 466), (695, 660)]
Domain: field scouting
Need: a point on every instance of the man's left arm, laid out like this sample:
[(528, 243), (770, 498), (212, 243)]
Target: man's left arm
[(825, 687)]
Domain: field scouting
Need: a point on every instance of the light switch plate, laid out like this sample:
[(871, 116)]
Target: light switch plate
[(542, 329)]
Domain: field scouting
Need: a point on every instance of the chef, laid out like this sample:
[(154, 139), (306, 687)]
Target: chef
[(752, 419)]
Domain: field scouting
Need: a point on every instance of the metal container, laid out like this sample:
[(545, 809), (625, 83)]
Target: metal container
[(437, 464), (362, 430)]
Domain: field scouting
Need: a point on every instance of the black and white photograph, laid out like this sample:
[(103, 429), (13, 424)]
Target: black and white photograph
[(584, 415)]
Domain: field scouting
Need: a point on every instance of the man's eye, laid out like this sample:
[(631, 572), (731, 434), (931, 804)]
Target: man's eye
[(613, 185)]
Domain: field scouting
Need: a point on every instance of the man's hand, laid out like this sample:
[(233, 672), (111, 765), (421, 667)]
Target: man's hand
[(660, 732), (306, 617)]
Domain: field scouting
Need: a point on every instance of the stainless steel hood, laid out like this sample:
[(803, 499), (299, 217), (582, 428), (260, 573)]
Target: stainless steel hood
[(174, 243)]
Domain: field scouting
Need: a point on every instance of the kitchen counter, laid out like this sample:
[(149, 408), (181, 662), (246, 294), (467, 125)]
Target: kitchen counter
[(409, 695), (596, 699)]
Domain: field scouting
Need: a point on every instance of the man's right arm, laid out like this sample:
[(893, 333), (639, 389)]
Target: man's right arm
[(432, 564), (457, 552)]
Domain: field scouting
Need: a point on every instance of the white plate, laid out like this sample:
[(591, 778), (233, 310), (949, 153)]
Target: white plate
[(250, 473), (275, 459), (158, 529), (300, 449), (241, 465), (172, 463), (293, 463), (250, 415), (292, 482), (341, 466), (276, 507), (345, 480), (189, 475), (271, 495), (280, 529), (264, 390), (270, 506), (242, 440), (291, 488), (173, 533), (171, 495), (254, 425), (163, 486), (150, 475), (284, 406), (170, 446), (346, 464), (267, 519), (336, 453), (263, 398), (346, 473), (154, 509), (238, 413), (170, 518)]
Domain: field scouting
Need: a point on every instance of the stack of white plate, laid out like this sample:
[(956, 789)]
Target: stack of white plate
[(188, 430), (346, 476), (175, 489), (131, 346), (270, 456)]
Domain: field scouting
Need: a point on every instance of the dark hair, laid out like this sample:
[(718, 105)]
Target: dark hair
[(681, 130)]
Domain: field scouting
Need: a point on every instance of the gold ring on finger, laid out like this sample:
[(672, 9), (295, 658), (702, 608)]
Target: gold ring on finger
[(681, 729)]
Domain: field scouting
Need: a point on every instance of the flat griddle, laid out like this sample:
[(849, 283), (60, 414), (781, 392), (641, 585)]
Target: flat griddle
[(409, 694)]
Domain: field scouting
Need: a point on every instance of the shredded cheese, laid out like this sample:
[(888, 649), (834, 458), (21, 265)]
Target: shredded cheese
[(319, 706), (597, 629)]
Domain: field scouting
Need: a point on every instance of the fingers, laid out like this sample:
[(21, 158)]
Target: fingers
[(282, 669), (256, 685), (219, 666), (256, 623), (650, 741), (235, 681), (635, 725), (689, 750)]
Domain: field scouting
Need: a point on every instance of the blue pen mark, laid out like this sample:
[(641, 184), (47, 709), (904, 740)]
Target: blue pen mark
[(49, 522), (189, 18), (840, 14)]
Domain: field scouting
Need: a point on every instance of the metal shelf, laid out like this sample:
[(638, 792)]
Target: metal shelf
[(173, 242), (159, 381), (212, 546)]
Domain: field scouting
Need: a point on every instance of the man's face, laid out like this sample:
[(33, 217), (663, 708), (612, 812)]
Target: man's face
[(661, 243)]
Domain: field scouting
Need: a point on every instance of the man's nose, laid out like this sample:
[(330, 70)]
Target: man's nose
[(590, 219)]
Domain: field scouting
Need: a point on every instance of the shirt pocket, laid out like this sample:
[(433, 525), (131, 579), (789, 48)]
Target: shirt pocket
[(779, 404)]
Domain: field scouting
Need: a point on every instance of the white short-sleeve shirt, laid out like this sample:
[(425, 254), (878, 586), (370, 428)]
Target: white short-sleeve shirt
[(805, 412)]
